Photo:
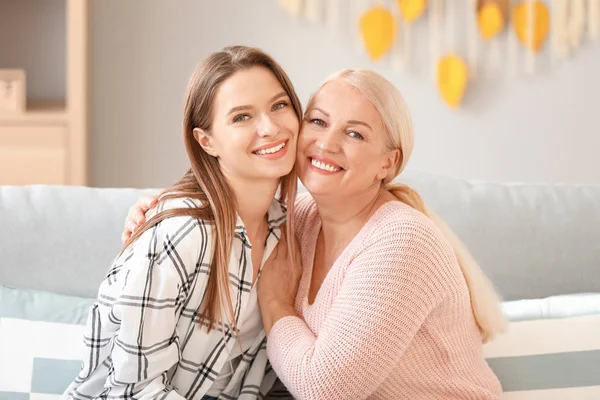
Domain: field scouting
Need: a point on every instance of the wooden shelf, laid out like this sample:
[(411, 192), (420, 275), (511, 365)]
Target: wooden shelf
[(54, 112), (47, 144)]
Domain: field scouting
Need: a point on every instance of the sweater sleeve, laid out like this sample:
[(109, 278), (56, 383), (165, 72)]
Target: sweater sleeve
[(389, 289)]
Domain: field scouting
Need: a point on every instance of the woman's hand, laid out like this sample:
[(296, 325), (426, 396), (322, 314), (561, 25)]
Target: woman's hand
[(278, 284), (137, 215)]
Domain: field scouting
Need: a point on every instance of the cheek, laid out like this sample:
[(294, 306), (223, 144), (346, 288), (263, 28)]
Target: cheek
[(300, 143), (362, 161), (237, 142), (306, 137), (289, 121)]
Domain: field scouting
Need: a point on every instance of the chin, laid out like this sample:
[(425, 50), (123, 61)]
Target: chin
[(278, 172), (317, 186)]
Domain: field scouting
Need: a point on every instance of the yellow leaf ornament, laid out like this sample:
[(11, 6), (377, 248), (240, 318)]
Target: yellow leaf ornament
[(452, 77), (378, 29)]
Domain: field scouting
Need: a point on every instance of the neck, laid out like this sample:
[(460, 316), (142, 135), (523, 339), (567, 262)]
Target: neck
[(342, 218), (253, 201)]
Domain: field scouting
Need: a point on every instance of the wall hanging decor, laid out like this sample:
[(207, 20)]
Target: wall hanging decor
[(464, 37)]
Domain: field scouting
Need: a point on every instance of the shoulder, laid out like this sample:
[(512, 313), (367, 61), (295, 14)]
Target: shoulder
[(182, 229), (397, 222), (305, 214), (400, 235), (304, 206)]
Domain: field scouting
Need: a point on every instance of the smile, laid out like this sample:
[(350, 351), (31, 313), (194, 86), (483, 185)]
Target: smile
[(271, 150), (324, 165)]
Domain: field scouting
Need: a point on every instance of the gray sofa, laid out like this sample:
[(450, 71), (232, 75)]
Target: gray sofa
[(533, 241)]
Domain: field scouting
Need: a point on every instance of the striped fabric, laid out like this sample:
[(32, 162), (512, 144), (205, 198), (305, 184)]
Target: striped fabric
[(548, 359), (143, 338)]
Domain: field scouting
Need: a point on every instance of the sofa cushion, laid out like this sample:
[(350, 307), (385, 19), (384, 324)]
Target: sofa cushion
[(551, 349), (563, 306), (61, 239), (41, 336)]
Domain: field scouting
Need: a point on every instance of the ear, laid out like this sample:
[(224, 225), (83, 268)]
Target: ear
[(205, 141), (391, 159)]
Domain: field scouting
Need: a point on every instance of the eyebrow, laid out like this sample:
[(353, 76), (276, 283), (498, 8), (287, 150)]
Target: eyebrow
[(354, 122), (320, 110), (350, 122), (248, 107)]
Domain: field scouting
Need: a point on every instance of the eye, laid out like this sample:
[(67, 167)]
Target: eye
[(317, 121), (356, 135), (241, 118), (280, 105)]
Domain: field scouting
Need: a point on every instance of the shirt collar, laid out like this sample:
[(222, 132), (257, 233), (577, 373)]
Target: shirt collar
[(276, 216)]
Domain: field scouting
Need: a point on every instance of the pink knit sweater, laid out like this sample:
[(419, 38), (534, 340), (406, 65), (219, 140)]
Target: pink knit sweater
[(392, 319)]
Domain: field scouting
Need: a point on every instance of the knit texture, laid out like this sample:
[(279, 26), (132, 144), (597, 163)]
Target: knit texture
[(392, 319)]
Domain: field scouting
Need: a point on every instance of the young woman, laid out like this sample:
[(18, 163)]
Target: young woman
[(389, 304), (177, 316)]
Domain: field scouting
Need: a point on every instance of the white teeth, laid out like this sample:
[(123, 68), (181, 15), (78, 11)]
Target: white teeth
[(271, 150), (323, 166)]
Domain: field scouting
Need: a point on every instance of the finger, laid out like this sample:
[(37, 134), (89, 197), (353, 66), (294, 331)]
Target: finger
[(132, 212), (130, 227), (144, 203), (150, 201), (276, 251), (125, 237), (273, 255), (282, 246), (283, 239), (296, 247), (139, 217)]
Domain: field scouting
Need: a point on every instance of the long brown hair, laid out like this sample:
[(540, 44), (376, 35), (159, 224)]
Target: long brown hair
[(394, 112), (205, 181)]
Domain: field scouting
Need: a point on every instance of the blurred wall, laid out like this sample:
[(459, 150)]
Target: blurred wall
[(540, 128)]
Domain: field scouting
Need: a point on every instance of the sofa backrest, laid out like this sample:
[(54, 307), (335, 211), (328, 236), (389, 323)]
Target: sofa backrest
[(60, 238), (533, 241)]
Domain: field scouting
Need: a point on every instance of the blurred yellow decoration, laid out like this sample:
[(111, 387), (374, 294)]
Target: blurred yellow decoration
[(292, 7), (378, 29), (412, 9), (541, 24), (452, 77), (491, 20)]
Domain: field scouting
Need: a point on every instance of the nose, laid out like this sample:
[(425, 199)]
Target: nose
[(328, 141), (267, 127)]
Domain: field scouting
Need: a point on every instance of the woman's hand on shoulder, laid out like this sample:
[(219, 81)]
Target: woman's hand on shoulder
[(137, 215)]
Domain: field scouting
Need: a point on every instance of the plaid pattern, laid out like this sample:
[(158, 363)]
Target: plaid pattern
[(143, 338)]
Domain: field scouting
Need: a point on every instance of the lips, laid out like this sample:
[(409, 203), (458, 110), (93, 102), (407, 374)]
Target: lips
[(271, 147), (324, 164), (273, 151)]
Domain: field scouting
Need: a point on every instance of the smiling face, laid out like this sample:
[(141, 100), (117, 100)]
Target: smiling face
[(254, 128), (342, 147)]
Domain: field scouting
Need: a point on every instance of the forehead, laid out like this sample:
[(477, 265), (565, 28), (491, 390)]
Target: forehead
[(251, 86), (344, 101)]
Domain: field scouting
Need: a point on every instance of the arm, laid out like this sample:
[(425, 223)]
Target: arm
[(138, 309), (388, 291)]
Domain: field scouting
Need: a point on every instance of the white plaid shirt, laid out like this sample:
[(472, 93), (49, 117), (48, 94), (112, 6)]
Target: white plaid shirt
[(143, 339)]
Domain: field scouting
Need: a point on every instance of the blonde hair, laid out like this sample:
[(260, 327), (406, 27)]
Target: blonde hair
[(390, 105), (205, 180)]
